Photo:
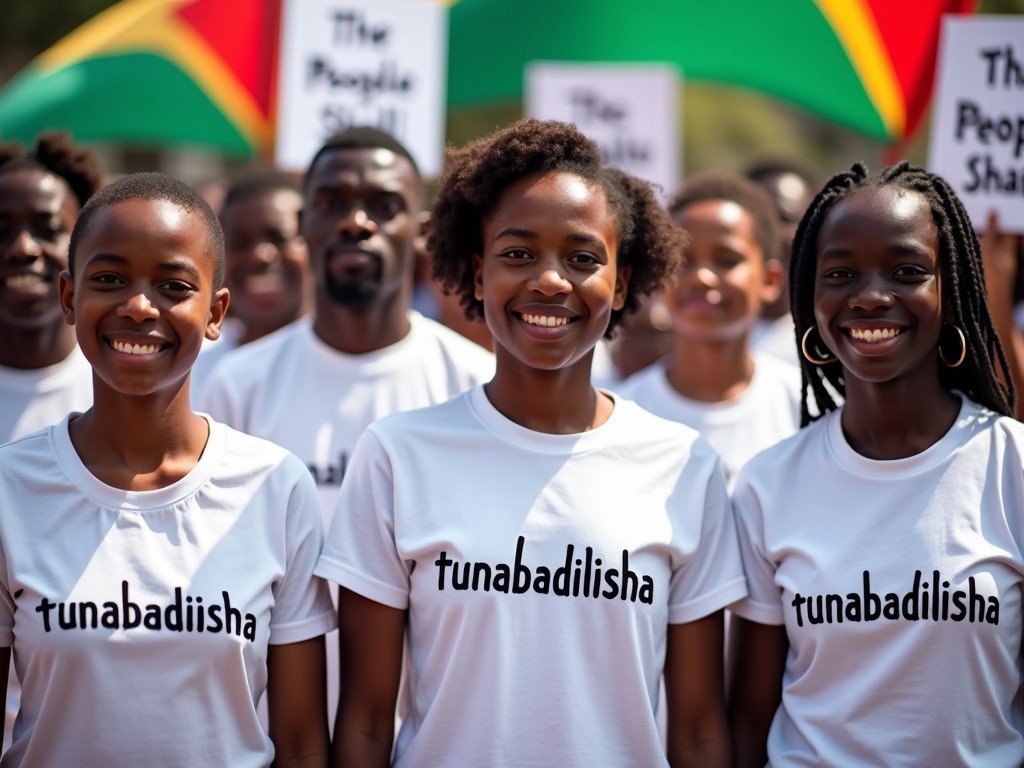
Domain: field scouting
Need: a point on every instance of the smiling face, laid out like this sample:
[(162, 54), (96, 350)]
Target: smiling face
[(142, 297), (877, 290), (360, 224), (721, 288), (548, 277), (266, 263), (37, 213)]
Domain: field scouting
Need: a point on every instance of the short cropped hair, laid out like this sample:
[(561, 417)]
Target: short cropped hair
[(476, 175), (363, 137), (719, 185), (256, 182), (154, 186)]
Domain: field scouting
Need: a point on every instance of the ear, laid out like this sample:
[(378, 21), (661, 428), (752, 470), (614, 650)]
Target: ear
[(419, 246), (218, 310), (622, 276), (478, 277), (66, 289), (773, 278)]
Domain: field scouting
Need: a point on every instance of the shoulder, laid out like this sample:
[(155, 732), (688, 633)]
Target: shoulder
[(247, 454), (433, 422), (641, 426)]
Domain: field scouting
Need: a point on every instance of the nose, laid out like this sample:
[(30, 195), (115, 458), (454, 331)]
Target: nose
[(550, 281), (706, 277), (871, 293), (266, 253), (138, 307), (24, 246), (356, 223)]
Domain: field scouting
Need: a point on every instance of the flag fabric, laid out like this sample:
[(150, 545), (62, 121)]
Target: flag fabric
[(866, 64), (157, 72), (203, 71)]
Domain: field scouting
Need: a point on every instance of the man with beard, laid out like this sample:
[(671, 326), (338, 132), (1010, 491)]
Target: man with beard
[(316, 384)]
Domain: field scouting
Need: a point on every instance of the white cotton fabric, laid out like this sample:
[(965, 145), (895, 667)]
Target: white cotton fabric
[(31, 399), (818, 521), (241, 529), (767, 411), (534, 679), (294, 389)]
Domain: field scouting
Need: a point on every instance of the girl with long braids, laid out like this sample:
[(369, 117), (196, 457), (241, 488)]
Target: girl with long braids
[(883, 543)]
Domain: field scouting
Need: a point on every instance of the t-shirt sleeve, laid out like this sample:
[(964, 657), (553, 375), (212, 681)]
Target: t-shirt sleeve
[(302, 601), (763, 603), (360, 553), (712, 576)]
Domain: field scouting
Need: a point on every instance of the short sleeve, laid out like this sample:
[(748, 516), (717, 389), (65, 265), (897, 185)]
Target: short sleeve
[(302, 601), (360, 553), (763, 603), (712, 577)]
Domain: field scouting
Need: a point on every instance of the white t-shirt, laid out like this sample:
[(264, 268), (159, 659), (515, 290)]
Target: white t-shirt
[(540, 573), (777, 338), (30, 400), (292, 388), (899, 584), (37, 398), (140, 620), (767, 411), (210, 355)]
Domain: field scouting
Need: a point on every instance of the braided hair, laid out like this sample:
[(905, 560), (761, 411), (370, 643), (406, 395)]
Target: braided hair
[(960, 260)]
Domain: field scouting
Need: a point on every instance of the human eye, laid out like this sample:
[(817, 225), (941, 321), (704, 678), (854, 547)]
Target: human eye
[(585, 258), (106, 279), (837, 273), (178, 287), (911, 272), (515, 254), (389, 206)]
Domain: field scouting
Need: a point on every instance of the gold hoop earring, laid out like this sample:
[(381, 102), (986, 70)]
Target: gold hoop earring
[(807, 355), (963, 349)]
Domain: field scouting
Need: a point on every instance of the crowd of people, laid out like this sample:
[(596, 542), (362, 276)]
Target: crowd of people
[(731, 480)]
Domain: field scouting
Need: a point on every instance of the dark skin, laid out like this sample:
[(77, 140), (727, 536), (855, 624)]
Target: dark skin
[(142, 300), (548, 279), (37, 212), (879, 268), (878, 271), (717, 300), (361, 220)]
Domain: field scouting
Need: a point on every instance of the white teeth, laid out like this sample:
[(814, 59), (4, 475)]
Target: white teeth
[(135, 349), (876, 334), (549, 321), (23, 281)]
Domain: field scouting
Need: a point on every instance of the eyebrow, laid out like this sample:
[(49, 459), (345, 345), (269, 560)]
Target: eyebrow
[(174, 265), (529, 234), (901, 249)]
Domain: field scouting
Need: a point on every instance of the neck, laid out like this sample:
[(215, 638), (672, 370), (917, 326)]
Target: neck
[(357, 330), (139, 442), (896, 419), (39, 348), (559, 402), (711, 371)]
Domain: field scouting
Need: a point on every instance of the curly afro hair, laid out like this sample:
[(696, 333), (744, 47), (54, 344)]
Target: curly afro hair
[(56, 153), (650, 244)]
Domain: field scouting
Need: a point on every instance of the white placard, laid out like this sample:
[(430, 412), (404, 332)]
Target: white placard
[(362, 62), (977, 137), (631, 111)]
